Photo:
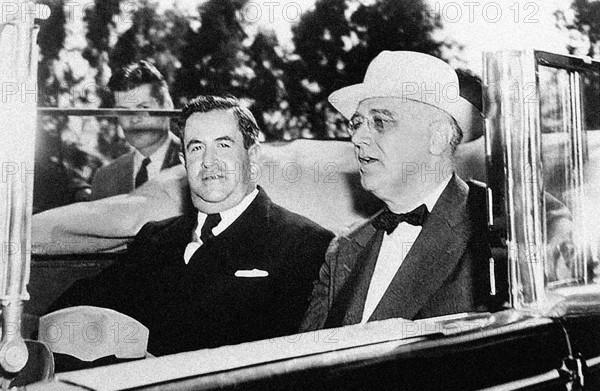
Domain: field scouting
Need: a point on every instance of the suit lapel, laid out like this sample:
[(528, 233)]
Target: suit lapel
[(359, 287), (246, 232), (432, 258), (352, 271)]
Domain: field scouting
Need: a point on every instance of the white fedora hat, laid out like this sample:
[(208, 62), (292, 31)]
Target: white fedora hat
[(412, 76)]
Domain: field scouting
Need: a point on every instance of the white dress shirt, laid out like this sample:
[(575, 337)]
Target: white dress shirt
[(156, 159), (227, 218), (394, 248)]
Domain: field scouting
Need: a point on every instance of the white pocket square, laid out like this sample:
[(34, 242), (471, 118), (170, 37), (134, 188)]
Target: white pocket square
[(251, 273)]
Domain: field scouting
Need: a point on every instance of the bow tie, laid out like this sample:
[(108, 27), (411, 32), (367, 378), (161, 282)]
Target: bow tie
[(388, 220)]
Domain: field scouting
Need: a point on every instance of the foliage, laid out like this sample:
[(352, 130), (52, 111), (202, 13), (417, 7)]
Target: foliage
[(582, 25), (336, 43), (267, 88), (100, 21), (51, 40), (213, 59), (157, 37)]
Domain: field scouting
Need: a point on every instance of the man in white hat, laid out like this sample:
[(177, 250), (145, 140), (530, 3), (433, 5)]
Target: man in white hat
[(426, 253)]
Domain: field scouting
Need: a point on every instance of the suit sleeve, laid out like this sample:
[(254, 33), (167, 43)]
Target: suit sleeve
[(320, 302), (109, 289)]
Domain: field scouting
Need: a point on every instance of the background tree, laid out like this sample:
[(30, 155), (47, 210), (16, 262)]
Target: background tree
[(101, 23), (221, 58), (338, 39), (581, 22), (159, 38), (267, 88), (213, 59)]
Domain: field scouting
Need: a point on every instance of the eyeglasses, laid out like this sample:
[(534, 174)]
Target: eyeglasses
[(376, 123)]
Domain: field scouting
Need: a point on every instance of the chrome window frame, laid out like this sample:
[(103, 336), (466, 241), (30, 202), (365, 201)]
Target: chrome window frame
[(514, 158)]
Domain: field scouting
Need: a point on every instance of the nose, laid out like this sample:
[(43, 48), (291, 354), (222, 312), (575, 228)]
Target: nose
[(128, 120), (361, 135), (209, 160), (135, 119)]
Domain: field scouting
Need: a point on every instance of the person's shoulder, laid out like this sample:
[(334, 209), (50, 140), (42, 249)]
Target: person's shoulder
[(477, 195), (155, 230), (116, 164), (477, 205), (108, 171), (105, 182), (360, 231), (476, 187), (288, 220), (286, 217), (154, 236)]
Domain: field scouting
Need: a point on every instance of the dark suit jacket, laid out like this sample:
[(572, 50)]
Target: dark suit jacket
[(445, 272), (203, 304), (117, 177)]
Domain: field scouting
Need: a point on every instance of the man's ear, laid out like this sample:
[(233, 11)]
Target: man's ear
[(182, 158), (439, 137), (254, 153)]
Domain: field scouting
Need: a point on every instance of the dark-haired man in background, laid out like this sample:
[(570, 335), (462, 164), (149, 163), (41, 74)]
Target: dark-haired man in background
[(236, 269), (139, 86)]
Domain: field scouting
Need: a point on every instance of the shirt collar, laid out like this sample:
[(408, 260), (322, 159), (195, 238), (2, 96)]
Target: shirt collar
[(156, 159), (431, 199), (227, 217)]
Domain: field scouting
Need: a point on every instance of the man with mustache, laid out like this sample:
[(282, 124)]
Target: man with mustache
[(425, 254), (235, 268), (139, 86)]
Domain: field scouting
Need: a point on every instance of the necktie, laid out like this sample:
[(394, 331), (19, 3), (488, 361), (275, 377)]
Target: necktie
[(206, 234), (212, 220), (142, 174), (388, 220)]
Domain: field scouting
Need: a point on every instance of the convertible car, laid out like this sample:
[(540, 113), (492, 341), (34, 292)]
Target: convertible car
[(541, 147)]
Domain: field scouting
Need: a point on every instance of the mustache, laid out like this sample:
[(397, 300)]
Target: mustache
[(222, 168)]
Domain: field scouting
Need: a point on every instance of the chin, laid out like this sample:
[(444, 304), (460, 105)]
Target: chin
[(212, 199), (205, 205), (369, 183), (142, 129), (383, 189), (213, 196)]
